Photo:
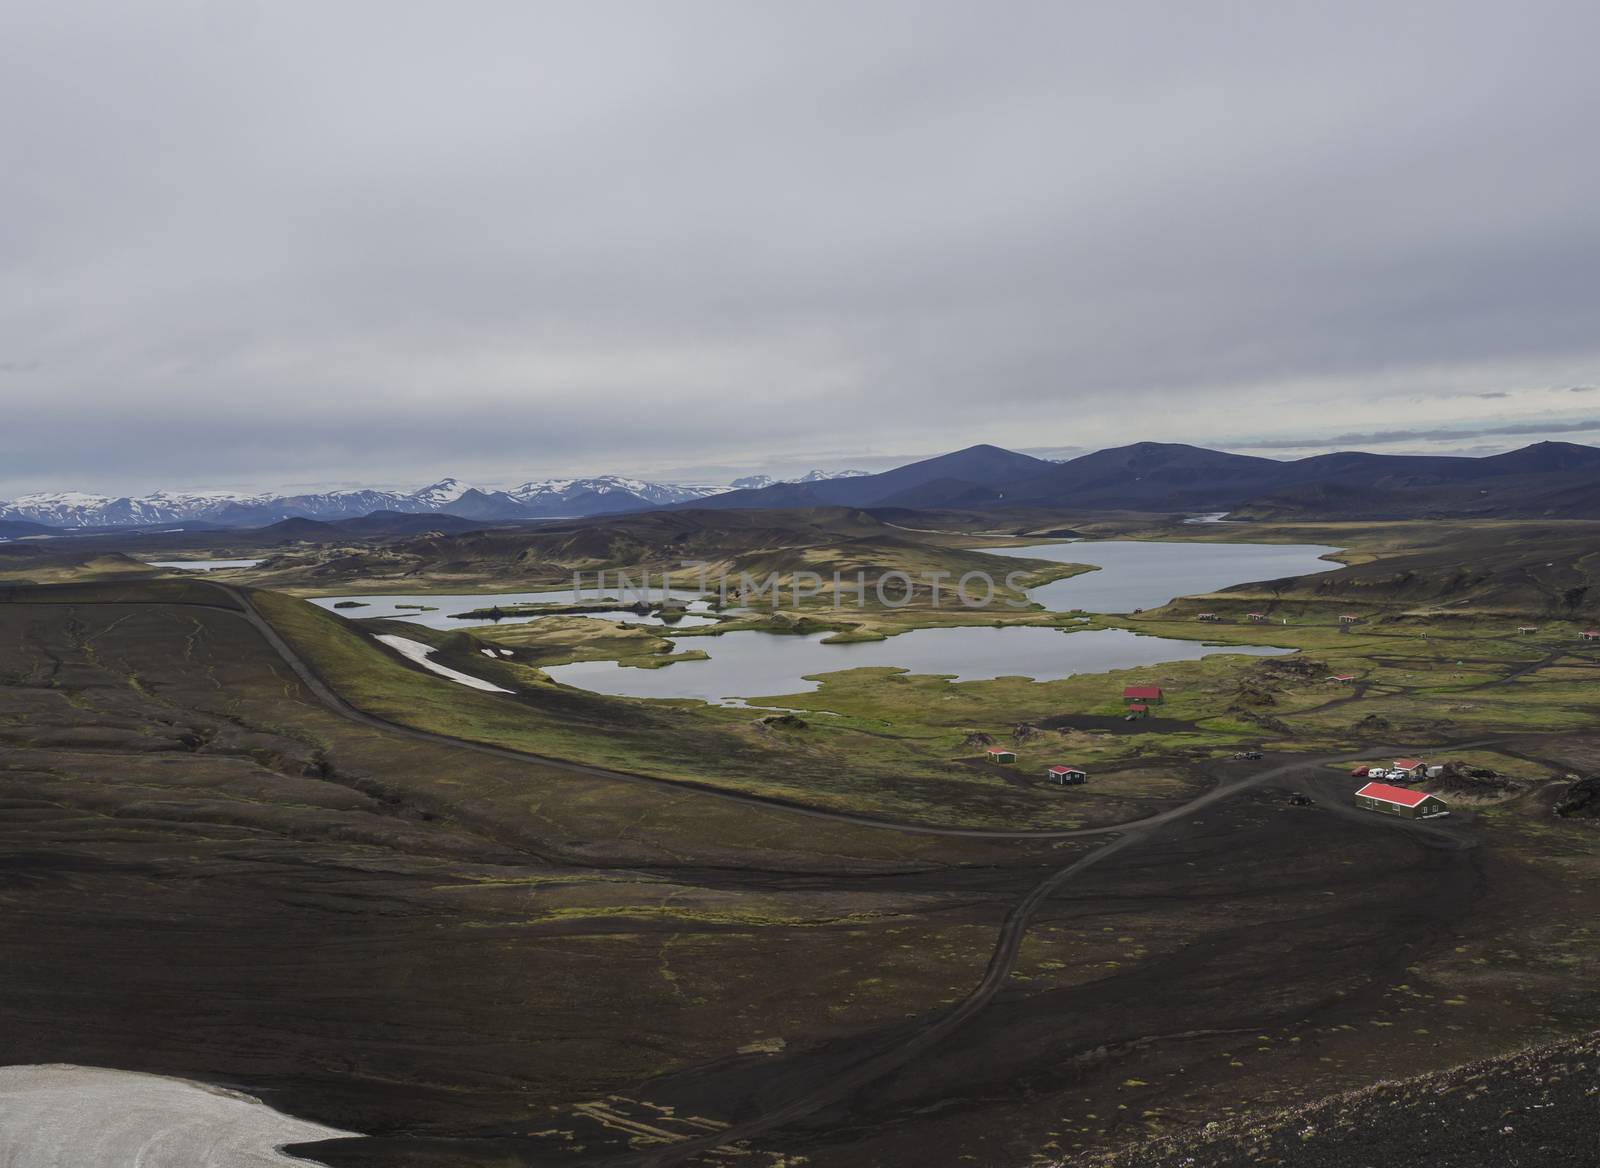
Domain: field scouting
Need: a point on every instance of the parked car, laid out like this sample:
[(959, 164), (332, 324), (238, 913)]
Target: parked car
[(1377, 773), (1362, 772)]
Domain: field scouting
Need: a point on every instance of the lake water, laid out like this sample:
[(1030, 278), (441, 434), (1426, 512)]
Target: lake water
[(388, 605), (754, 664), (744, 665), (1138, 574), (202, 565)]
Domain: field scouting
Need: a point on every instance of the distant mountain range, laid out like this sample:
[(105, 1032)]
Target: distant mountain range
[(1548, 480), (1551, 480), (539, 499)]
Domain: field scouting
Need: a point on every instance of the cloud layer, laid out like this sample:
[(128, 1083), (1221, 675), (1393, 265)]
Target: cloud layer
[(248, 243)]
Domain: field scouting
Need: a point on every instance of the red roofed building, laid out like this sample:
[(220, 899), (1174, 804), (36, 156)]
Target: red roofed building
[(1067, 774), (1415, 767), (1001, 754), (1257, 617), (1527, 628), (1399, 801), (1590, 634), (1342, 678), (1142, 693)]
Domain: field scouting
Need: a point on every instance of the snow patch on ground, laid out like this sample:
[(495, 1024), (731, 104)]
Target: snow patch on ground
[(61, 1116), (422, 654), (202, 565)]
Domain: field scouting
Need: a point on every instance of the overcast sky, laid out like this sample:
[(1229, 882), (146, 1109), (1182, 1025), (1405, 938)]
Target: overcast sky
[(258, 244)]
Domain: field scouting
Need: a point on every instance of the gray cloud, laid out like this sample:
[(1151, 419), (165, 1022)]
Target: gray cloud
[(244, 243)]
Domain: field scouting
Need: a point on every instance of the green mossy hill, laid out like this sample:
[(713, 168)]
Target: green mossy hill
[(24, 566), (1536, 570)]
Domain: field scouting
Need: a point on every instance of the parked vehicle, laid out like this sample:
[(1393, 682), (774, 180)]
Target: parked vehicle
[(1361, 772), (1247, 756)]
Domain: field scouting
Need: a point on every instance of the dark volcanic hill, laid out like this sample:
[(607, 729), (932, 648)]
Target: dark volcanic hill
[(651, 537), (973, 474), (15, 528), (1151, 476), (379, 523), (297, 529), (402, 523)]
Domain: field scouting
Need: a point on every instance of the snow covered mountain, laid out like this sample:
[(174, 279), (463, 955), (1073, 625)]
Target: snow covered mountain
[(79, 509), (539, 498), (558, 491), (546, 498), (756, 482), (441, 494)]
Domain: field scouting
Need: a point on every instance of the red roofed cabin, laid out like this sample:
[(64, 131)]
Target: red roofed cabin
[(1256, 617), (1400, 801), (1001, 754), (1527, 628), (1590, 634), (1348, 618), (1146, 694), (1342, 678), (1413, 767), (1067, 774)]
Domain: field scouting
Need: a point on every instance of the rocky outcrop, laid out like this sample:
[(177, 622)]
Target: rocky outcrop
[(1581, 800)]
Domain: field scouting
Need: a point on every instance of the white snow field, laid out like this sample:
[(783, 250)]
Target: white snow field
[(418, 652), (60, 1116)]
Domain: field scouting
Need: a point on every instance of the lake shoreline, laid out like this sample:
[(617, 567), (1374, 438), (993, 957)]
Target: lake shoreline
[(748, 655)]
